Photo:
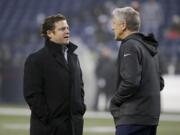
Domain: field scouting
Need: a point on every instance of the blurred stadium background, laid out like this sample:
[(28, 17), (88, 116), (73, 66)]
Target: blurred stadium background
[(90, 26)]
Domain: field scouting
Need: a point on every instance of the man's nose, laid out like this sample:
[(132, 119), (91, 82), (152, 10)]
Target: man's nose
[(67, 31)]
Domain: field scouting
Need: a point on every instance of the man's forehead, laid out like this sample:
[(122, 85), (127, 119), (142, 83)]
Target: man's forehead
[(62, 23)]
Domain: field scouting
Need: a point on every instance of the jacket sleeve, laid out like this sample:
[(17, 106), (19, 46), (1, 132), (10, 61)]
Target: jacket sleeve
[(33, 89), (82, 87), (160, 74), (161, 83), (129, 72), (82, 93)]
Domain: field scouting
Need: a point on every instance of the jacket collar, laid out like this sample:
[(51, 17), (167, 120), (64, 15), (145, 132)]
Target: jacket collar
[(59, 48), (56, 49), (148, 41)]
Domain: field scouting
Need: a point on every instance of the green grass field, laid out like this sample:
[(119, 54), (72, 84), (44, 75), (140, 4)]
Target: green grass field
[(19, 125)]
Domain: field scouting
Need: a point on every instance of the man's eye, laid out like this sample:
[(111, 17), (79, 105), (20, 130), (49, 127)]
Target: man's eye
[(62, 29)]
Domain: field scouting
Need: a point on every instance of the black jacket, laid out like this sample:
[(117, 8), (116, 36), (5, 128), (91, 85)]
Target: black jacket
[(54, 91), (139, 81)]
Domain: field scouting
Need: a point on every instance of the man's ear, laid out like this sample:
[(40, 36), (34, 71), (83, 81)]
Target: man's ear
[(49, 33), (124, 26)]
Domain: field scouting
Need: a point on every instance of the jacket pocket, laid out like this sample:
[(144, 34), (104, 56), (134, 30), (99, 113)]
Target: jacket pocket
[(58, 125), (83, 109), (114, 110)]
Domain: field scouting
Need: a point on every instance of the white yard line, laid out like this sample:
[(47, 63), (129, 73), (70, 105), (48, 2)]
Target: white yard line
[(16, 126), (14, 111), (96, 115), (99, 129), (89, 114)]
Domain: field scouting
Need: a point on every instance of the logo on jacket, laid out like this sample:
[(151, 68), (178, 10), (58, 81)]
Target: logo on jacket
[(127, 54)]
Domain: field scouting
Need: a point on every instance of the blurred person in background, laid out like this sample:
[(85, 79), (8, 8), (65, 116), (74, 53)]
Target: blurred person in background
[(105, 77), (152, 17), (171, 45), (135, 105), (135, 4), (53, 85)]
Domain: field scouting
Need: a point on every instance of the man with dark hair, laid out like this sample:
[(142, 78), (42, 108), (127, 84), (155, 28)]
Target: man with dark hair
[(135, 105), (53, 86)]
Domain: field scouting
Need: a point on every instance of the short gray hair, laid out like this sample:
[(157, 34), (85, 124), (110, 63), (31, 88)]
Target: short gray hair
[(130, 16)]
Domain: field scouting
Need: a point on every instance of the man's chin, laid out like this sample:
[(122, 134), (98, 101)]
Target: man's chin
[(117, 39), (66, 42)]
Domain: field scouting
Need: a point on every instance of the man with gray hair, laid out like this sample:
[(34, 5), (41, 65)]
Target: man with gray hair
[(135, 105)]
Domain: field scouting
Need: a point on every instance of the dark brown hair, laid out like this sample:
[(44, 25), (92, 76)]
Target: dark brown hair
[(49, 22)]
